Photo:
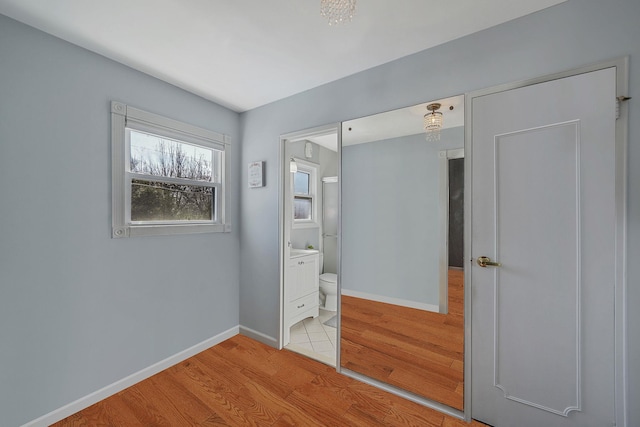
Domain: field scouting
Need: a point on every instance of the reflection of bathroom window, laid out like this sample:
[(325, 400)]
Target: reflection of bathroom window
[(302, 197), (302, 208), (304, 191), (301, 183)]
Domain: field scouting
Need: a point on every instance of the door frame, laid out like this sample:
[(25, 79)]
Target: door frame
[(620, 288), (284, 206)]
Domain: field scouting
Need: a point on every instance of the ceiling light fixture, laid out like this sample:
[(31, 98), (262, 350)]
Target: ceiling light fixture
[(337, 11), (433, 122)]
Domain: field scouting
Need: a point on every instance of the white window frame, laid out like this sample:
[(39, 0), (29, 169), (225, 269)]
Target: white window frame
[(312, 170), (125, 117)]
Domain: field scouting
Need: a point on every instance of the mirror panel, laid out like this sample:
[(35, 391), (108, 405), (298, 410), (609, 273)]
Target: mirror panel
[(402, 316)]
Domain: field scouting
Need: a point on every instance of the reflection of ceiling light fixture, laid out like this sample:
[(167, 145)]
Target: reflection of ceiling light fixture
[(337, 11), (293, 166), (433, 122)]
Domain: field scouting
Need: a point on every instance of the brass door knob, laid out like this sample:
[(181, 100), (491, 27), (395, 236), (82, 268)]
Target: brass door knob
[(485, 261)]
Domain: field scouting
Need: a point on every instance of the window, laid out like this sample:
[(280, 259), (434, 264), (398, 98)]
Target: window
[(304, 192), (302, 199), (168, 177)]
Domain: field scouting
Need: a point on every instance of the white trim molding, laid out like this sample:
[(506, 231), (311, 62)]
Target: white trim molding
[(111, 389), (259, 336), (390, 300)]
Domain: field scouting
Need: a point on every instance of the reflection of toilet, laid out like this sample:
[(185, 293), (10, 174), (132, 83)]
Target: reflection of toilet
[(328, 287)]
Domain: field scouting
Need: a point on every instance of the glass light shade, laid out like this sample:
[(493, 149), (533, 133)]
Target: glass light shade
[(337, 11), (433, 136), (433, 121)]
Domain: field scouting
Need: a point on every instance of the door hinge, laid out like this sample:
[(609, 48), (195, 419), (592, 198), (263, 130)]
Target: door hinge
[(620, 99)]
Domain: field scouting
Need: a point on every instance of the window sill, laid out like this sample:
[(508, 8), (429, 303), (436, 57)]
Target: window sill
[(309, 224), (168, 230)]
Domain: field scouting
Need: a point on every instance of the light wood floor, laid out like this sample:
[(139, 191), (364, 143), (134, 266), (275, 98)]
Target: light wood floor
[(242, 382), (416, 350)]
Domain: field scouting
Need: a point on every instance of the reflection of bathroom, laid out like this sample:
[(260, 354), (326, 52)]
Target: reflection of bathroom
[(314, 230)]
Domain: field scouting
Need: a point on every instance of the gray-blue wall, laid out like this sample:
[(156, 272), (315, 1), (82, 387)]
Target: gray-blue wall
[(563, 37), (79, 310), (390, 216)]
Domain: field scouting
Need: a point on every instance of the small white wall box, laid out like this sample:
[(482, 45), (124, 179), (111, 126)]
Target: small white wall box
[(256, 175)]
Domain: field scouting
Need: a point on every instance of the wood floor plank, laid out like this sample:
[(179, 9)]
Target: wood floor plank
[(416, 350), (287, 414), (359, 417), (443, 382), (425, 353), (239, 395), (227, 386), (169, 407), (213, 393), (119, 413), (402, 418), (403, 412), (370, 400), (143, 408), (183, 401), (316, 409)]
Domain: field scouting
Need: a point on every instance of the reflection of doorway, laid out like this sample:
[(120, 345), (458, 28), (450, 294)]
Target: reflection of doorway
[(456, 213), (451, 195)]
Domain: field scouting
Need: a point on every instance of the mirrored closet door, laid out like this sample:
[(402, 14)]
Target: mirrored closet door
[(402, 298)]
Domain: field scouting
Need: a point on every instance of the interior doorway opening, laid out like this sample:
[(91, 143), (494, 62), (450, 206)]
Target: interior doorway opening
[(309, 234)]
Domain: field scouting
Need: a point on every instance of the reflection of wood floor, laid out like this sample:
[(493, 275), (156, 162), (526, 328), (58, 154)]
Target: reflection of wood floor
[(419, 351), (242, 382)]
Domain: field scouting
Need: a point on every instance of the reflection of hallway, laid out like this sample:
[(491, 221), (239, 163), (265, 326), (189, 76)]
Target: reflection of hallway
[(419, 351)]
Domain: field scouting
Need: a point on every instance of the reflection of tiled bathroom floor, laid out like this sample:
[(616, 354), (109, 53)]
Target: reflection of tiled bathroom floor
[(313, 339)]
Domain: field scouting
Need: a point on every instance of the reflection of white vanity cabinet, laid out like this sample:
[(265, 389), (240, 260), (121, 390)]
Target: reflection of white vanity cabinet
[(301, 286)]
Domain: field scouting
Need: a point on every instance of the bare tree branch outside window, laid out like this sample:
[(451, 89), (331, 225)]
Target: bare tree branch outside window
[(161, 201)]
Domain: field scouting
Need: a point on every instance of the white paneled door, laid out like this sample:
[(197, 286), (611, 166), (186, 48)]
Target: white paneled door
[(544, 207)]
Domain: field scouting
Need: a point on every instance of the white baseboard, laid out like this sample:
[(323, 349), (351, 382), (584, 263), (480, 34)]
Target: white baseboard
[(391, 300), (103, 393), (259, 336)]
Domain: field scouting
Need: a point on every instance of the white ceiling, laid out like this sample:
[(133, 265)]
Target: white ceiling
[(246, 53)]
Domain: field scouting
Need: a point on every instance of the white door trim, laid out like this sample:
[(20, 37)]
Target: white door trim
[(621, 356)]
